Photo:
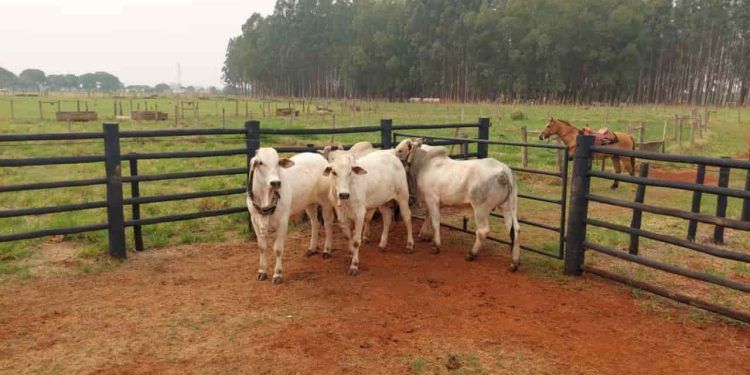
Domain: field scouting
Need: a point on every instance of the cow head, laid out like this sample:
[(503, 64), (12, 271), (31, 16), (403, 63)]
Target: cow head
[(265, 166), (342, 170), (406, 150), (328, 151)]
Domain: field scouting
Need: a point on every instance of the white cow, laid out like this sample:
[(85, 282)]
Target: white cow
[(483, 184), (279, 188), (369, 182)]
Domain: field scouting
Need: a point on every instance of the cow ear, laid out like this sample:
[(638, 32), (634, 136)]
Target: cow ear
[(358, 170), (325, 151), (551, 119), (254, 163), (327, 171), (286, 163)]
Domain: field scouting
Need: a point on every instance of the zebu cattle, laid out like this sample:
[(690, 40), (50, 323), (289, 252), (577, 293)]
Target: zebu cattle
[(369, 182), (279, 188), (483, 184)]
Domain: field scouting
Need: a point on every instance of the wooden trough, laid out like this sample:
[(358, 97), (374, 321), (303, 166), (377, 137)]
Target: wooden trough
[(76, 116), (148, 116), (654, 146), (287, 112)]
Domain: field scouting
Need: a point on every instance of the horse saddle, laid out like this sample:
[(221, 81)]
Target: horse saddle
[(602, 137)]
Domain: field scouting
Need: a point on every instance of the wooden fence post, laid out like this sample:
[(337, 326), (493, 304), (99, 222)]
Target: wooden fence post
[(41, 116), (721, 203), (115, 216), (135, 192), (640, 195), (579, 204), (700, 175), (12, 111), (176, 115), (524, 149), (223, 118), (386, 133), (483, 133)]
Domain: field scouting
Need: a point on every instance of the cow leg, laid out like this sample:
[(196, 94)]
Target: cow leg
[(425, 233), (343, 222), (278, 249), (618, 169), (482, 217), (510, 216), (387, 213), (328, 224), (403, 206), (433, 213), (356, 241), (261, 235), (366, 230), (312, 213)]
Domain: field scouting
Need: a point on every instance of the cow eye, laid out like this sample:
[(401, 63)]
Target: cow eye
[(334, 173), (260, 163)]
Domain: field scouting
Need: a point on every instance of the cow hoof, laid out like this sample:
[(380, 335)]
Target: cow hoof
[(470, 257), (262, 276), (613, 187), (353, 271), (382, 248), (327, 255), (311, 252), (435, 250), (277, 280), (514, 267)]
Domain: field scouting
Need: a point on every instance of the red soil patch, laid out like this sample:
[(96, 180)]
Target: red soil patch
[(684, 175), (199, 309)]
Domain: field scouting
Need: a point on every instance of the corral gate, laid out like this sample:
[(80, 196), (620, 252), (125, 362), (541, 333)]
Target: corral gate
[(578, 241)]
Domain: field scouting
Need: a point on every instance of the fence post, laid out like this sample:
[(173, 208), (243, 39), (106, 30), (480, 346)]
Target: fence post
[(746, 202), (41, 115), (386, 131), (721, 204), (483, 133), (252, 143), (640, 195), (115, 216), (524, 149), (12, 111), (579, 204), (135, 192), (700, 176)]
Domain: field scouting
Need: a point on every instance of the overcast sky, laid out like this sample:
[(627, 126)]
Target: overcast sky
[(140, 41)]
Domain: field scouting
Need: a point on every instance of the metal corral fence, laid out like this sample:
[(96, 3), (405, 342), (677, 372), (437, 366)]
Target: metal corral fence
[(560, 202), (112, 159), (578, 221)]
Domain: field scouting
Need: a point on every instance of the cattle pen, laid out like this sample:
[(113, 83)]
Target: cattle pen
[(570, 229)]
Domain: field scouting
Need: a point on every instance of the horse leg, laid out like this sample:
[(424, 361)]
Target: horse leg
[(618, 169)]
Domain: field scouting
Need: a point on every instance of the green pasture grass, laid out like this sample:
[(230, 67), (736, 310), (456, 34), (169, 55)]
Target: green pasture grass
[(724, 138)]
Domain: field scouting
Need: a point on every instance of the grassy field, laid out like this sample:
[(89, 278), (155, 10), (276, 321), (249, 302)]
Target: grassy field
[(726, 137)]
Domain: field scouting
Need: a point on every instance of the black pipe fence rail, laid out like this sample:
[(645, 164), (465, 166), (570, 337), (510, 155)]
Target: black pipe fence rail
[(113, 180), (577, 242), (483, 152)]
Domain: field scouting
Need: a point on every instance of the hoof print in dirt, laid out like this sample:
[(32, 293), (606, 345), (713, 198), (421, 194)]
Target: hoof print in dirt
[(310, 253), (327, 255), (277, 280), (353, 272), (513, 267), (262, 277), (470, 257)]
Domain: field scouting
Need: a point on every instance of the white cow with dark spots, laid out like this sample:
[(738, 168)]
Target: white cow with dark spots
[(279, 188), (482, 184)]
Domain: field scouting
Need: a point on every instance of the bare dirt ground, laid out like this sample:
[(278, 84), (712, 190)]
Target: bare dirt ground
[(682, 175), (198, 309)]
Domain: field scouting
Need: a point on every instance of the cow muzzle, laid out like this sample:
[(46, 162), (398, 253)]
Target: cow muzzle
[(343, 196), (275, 184)]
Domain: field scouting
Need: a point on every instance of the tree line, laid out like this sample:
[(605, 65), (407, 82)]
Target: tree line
[(37, 80), (656, 51)]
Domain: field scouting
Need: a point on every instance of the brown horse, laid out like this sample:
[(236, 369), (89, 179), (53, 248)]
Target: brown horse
[(568, 133)]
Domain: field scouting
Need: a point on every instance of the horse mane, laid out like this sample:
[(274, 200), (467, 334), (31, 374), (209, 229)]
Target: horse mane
[(567, 123)]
